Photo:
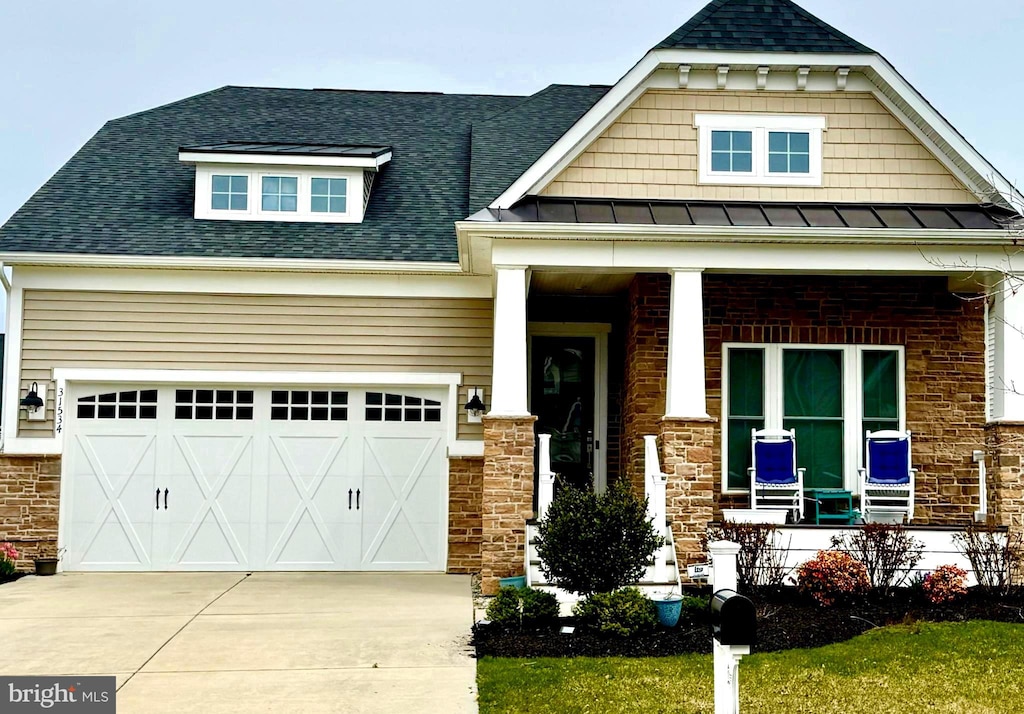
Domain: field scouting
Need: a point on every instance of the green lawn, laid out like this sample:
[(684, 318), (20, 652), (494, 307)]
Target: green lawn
[(973, 667)]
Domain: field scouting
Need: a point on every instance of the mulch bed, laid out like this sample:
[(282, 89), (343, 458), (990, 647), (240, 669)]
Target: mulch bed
[(786, 620), (11, 578)]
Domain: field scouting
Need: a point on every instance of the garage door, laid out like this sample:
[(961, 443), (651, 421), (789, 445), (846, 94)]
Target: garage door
[(254, 478)]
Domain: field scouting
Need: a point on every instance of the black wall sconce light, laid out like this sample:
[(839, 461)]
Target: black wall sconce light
[(475, 407), (33, 402)]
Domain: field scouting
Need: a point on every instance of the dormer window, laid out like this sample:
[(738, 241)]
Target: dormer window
[(328, 195), (758, 150), (284, 182), (230, 193), (280, 193)]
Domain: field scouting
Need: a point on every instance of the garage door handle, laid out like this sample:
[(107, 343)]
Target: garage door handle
[(158, 499), (350, 499), (357, 499), (165, 498)]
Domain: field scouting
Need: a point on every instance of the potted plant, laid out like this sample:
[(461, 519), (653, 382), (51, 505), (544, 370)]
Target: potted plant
[(8, 562), (670, 607), (46, 561)]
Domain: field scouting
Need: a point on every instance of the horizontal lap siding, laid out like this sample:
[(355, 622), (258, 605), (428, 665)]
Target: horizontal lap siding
[(651, 152), (109, 330)]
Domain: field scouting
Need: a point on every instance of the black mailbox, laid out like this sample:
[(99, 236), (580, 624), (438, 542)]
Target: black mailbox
[(733, 618)]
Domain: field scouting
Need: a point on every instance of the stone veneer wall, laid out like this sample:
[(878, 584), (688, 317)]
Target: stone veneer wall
[(944, 340), (29, 505), (690, 493), (1006, 474), (943, 337), (465, 516), (507, 498), (643, 400)]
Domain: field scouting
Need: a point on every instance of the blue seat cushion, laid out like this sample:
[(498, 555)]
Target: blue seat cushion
[(888, 462), (774, 462)]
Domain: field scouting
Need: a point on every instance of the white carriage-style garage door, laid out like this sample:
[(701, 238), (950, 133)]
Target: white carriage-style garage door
[(189, 477)]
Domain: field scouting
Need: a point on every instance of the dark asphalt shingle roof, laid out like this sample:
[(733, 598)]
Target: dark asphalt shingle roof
[(507, 144), (291, 148), (760, 26), (126, 192)]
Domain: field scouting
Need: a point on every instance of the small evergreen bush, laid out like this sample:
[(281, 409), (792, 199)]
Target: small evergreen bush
[(523, 607), (695, 607), (833, 575), (596, 543), (623, 612)]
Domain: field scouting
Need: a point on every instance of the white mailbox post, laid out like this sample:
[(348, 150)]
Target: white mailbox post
[(733, 623)]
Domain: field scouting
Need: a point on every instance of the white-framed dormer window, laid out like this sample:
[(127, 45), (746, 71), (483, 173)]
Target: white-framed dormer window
[(266, 193), (753, 149), (279, 193), (313, 183), (229, 193)]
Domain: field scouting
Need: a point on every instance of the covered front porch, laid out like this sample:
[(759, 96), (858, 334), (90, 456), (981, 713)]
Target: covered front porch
[(696, 357)]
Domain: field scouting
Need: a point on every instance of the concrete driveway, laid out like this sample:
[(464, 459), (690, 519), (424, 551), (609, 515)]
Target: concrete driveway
[(224, 642)]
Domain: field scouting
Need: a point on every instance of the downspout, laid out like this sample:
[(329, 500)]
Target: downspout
[(7, 308)]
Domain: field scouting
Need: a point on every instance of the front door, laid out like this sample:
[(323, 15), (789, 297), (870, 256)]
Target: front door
[(562, 399)]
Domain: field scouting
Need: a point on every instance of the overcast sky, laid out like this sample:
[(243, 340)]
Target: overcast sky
[(70, 65)]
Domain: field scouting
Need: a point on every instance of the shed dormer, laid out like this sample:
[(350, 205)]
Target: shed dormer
[(310, 183)]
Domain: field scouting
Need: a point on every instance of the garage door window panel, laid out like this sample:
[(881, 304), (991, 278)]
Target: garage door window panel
[(382, 406), (305, 405), (207, 404), (118, 405)]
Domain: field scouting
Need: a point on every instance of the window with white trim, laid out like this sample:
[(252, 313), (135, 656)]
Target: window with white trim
[(752, 149), (267, 193), (279, 193), (829, 394)]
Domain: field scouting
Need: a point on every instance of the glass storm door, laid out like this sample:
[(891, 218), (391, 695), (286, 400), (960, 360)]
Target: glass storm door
[(562, 399)]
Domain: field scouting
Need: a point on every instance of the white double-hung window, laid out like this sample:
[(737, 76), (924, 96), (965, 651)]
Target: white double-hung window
[(829, 394), (753, 149)]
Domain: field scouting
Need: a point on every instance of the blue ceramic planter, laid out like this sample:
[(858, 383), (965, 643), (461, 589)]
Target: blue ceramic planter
[(518, 581), (669, 610)]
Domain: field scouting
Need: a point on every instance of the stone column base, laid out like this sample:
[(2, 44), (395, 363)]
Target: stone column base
[(687, 446), (1005, 480), (465, 527), (29, 505), (507, 497)]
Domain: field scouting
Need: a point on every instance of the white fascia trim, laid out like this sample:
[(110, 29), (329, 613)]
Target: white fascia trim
[(262, 264), (589, 127), (165, 376), (201, 157), (732, 234)]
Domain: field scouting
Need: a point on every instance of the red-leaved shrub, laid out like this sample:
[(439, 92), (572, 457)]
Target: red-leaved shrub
[(946, 584), (832, 575)]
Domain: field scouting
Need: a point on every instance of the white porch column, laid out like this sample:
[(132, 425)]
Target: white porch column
[(1008, 366), (508, 392), (685, 397)]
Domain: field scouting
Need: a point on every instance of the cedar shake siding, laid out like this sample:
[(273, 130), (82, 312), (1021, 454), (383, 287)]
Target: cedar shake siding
[(867, 154)]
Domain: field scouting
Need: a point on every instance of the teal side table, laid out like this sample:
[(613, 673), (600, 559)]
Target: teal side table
[(830, 506)]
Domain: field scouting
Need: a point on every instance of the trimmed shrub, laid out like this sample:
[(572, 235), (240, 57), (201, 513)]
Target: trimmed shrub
[(624, 612), (523, 607), (888, 552), (539, 607), (8, 559), (695, 607), (593, 543), (946, 584), (832, 575)]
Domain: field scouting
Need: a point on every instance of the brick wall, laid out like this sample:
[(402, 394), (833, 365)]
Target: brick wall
[(646, 365), (507, 498), (465, 518), (29, 505)]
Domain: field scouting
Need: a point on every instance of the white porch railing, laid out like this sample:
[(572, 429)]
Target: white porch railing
[(655, 482), (546, 478)]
